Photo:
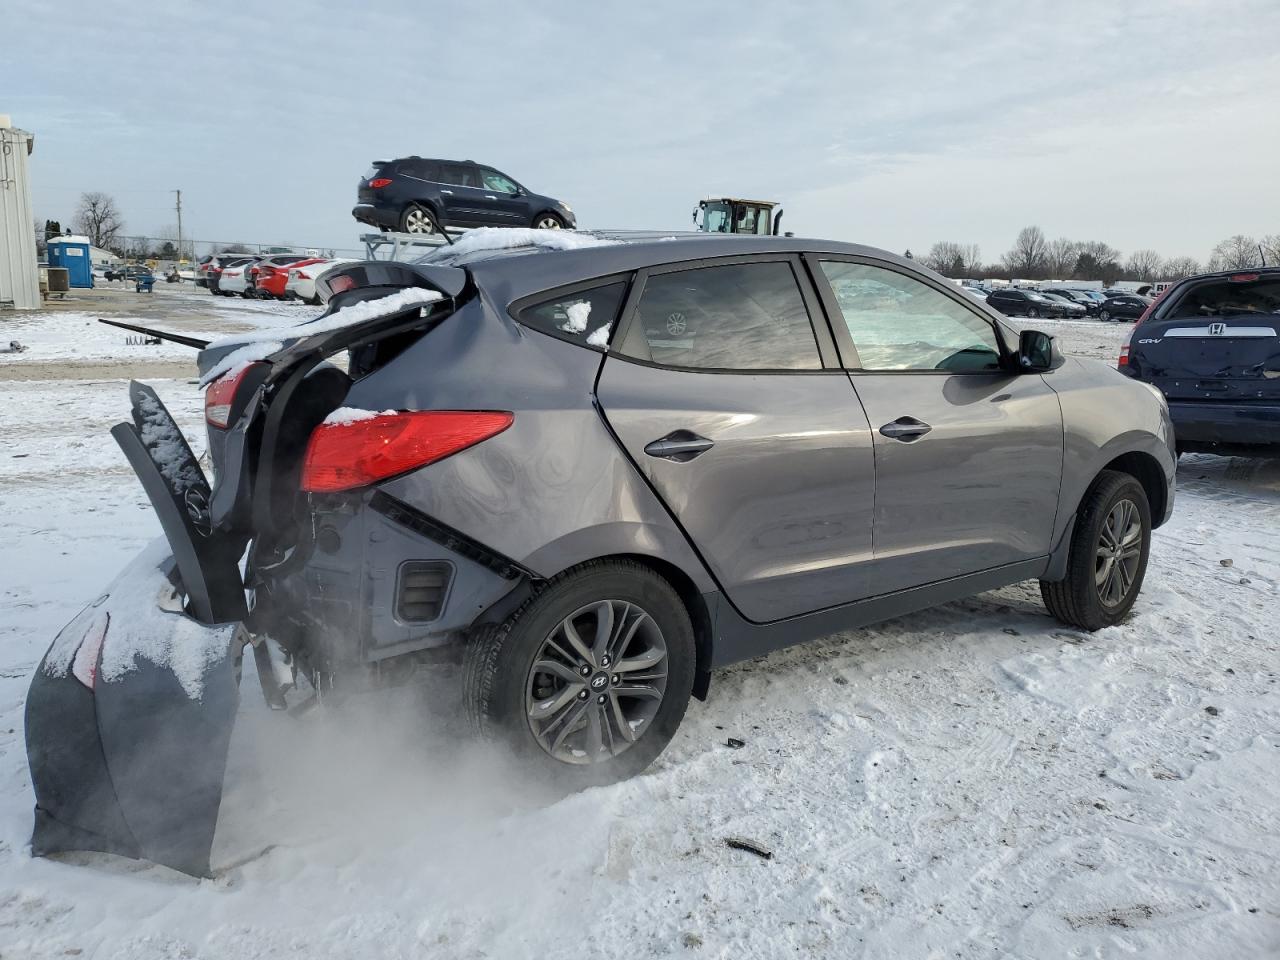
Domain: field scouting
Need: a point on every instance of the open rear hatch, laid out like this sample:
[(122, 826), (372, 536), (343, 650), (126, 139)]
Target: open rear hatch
[(129, 715)]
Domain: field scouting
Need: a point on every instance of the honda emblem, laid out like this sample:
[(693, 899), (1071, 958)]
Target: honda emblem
[(1217, 329)]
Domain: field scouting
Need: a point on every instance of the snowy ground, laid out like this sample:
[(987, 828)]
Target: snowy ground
[(973, 781)]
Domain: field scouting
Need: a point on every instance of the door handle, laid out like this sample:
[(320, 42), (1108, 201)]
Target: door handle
[(490, 196), (905, 429), (680, 446), (449, 192)]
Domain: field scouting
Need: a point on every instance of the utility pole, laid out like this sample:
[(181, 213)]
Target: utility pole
[(178, 207)]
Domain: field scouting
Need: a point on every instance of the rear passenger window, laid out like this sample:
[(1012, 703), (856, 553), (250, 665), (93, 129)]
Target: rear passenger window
[(585, 317), (459, 175), (748, 316)]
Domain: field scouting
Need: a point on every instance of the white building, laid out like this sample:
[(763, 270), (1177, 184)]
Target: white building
[(19, 276)]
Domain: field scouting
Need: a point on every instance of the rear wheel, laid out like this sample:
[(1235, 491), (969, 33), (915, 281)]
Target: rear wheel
[(1104, 315), (1032, 313), (548, 221), (589, 680), (416, 219), (1108, 558)]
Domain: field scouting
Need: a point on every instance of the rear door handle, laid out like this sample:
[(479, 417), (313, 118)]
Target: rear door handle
[(680, 446), (490, 196), (905, 429), (449, 192)]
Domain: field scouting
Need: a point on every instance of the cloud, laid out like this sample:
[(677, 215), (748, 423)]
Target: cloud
[(1146, 124)]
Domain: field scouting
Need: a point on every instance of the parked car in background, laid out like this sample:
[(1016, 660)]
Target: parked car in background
[(1074, 311), (267, 265), (128, 272), (976, 292), (1125, 306), (1076, 296), (399, 194), (301, 284), (1211, 344), (1017, 302), (272, 273), (212, 270), (235, 277)]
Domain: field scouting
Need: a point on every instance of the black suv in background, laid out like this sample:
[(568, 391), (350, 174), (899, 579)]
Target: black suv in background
[(1211, 344), (1123, 306), (1013, 302), (398, 194)]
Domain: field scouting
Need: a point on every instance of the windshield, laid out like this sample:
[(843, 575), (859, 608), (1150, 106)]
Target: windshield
[(1226, 298), (717, 217)]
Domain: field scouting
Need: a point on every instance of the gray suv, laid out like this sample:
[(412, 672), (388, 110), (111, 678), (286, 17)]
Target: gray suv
[(594, 471)]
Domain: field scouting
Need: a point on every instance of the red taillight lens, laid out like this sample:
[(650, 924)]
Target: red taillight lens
[(346, 455), (221, 394), (1242, 278), (85, 665), (339, 284), (1124, 356), (379, 182)]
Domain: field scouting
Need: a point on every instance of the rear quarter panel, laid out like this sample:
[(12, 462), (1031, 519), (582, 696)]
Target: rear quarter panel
[(1106, 415), (554, 489)]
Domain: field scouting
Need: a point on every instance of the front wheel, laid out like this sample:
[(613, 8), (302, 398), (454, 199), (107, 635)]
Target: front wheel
[(589, 680), (1108, 555), (1032, 313), (548, 221), (1105, 316)]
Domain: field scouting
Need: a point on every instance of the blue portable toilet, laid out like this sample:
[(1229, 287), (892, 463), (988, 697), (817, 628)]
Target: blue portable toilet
[(72, 253)]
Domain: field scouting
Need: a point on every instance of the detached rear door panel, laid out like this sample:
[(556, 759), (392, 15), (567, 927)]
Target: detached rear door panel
[(779, 499)]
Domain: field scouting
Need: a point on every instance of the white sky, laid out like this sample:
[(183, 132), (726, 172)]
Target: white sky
[(1143, 124)]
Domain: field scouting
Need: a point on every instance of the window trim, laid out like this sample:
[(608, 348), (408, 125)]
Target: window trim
[(551, 294), (844, 339), (827, 356)]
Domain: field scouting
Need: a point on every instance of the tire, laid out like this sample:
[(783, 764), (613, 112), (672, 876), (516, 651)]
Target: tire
[(502, 690), (415, 219), (1079, 600), (1033, 313), (1104, 316), (548, 221)]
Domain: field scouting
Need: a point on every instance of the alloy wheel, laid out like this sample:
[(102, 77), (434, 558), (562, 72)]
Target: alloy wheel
[(597, 682), (417, 221), (548, 223), (1119, 553), (1104, 316)]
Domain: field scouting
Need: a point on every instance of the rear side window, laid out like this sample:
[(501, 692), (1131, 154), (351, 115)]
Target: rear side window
[(459, 174), (584, 317), (422, 169), (899, 323), (1230, 299), (748, 316)]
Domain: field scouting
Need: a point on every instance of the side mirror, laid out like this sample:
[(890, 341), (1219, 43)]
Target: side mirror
[(1037, 352)]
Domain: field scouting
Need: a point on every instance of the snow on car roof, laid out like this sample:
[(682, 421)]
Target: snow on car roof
[(495, 239)]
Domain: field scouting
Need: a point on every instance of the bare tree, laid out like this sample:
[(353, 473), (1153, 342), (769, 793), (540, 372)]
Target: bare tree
[(1027, 258), (1144, 265), (953, 259), (1097, 261), (1060, 258), (1175, 268), (1235, 253), (98, 219), (1271, 249)]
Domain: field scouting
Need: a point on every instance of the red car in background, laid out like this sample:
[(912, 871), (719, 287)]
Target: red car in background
[(270, 276), (266, 268)]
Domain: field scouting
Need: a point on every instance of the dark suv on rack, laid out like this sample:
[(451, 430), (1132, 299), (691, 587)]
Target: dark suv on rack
[(413, 195)]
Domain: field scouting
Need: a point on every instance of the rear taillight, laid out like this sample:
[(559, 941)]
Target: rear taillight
[(343, 455), (340, 284), (379, 182), (85, 665), (221, 394), (1124, 356)]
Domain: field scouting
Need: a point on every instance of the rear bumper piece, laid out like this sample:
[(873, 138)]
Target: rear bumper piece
[(135, 765), (374, 215), (1220, 424), (129, 715)]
